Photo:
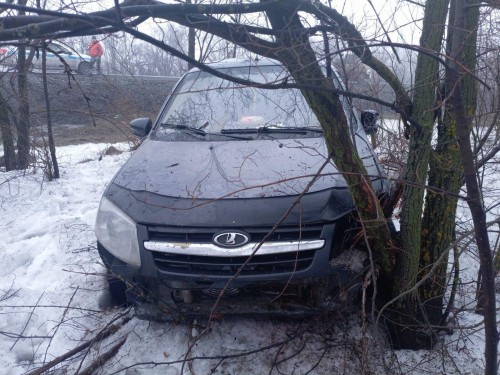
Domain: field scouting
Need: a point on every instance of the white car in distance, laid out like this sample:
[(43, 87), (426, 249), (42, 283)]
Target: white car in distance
[(55, 52)]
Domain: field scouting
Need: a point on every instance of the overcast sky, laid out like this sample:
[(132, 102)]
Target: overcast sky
[(397, 16)]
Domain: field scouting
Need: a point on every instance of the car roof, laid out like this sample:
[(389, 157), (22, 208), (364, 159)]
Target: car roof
[(239, 62), (255, 62)]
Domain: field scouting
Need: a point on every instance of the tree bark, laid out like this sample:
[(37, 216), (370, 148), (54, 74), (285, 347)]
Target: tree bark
[(23, 123), (191, 41), (418, 158), (53, 164), (474, 193), (407, 312), (438, 223), (9, 150)]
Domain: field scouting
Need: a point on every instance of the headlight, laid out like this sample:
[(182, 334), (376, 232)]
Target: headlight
[(117, 233)]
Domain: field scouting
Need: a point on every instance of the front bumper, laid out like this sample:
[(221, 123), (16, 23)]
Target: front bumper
[(302, 282)]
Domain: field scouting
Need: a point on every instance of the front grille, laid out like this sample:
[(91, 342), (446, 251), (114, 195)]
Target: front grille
[(204, 235), (186, 263), (227, 266)]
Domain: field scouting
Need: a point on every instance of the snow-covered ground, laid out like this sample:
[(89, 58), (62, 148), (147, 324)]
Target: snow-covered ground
[(53, 298)]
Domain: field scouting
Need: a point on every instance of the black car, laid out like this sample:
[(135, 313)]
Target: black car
[(211, 206)]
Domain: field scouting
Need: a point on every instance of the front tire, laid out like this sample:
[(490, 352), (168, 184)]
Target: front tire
[(84, 68), (117, 289)]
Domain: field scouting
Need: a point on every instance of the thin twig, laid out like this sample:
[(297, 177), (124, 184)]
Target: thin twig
[(108, 331), (103, 358)]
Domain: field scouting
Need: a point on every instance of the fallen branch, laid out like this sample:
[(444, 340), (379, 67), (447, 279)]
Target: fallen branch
[(102, 359), (108, 331)]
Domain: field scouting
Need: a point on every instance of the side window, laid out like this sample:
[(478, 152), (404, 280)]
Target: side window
[(58, 48)]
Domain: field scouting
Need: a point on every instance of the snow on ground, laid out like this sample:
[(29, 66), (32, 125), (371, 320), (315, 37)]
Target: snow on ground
[(53, 297)]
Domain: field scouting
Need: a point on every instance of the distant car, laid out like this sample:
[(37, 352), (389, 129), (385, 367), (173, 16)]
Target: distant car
[(206, 205), (55, 52)]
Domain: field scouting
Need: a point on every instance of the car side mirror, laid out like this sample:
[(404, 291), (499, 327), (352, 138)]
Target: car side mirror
[(141, 126), (369, 120)]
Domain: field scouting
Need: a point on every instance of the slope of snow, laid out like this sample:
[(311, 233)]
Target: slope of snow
[(53, 297)]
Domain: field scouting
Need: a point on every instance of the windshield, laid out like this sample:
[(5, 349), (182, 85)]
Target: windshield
[(203, 101)]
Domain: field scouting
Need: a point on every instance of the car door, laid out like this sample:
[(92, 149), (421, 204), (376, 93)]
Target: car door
[(54, 61)]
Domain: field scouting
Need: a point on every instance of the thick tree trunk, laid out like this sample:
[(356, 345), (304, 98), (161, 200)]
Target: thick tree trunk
[(418, 158), (438, 224), (407, 312)]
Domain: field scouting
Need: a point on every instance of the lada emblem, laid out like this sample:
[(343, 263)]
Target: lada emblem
[(231, 239)]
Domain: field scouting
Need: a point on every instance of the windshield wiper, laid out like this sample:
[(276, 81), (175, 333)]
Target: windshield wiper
[(273, 129), (232, 136), (200, 131), (189, 129)]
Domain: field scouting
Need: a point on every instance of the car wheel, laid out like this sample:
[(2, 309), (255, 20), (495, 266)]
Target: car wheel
[(84, 68), (117, 290)]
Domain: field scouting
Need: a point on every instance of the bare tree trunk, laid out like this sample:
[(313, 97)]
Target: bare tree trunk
[(473, 192), (23, 124), (496, 259), (445, 174), (114, 65), (426, 81), (53, 166), (9, 151), (191, 41)]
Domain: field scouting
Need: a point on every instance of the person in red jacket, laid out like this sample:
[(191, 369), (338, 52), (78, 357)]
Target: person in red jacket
[(95, 51)]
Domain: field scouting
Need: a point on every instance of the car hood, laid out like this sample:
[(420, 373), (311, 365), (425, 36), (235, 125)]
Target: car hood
[(231, 169)]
